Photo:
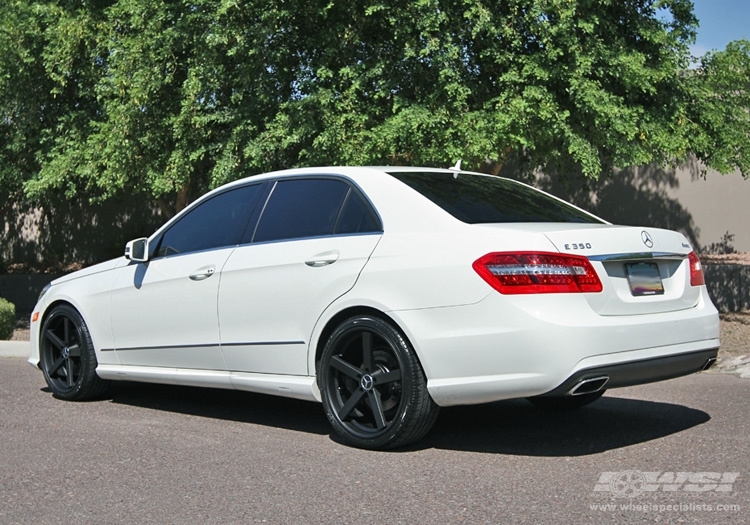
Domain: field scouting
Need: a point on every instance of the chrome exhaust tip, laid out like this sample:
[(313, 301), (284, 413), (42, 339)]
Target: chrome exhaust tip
[(709, 363), (588, 386)]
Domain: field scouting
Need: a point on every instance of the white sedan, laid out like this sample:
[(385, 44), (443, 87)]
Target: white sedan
[(384, 293)]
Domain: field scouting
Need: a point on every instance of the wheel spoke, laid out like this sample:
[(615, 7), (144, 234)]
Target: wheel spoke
[(55, 367), (69, 371), (346, 368), (367, 358), (66, 325), (52, 337), (383, 378), (352, 402), (74, 351), (376, 405)]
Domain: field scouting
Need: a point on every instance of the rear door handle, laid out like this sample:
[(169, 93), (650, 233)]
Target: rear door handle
[(322, 259), (202, 273)]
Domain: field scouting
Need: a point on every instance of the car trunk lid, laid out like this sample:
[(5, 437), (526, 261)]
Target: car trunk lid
[(643, 270)]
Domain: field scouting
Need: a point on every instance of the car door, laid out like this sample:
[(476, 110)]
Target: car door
[(164, 310), (310, 244)]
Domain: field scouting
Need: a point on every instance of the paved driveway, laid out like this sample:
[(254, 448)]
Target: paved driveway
[(677, 451)]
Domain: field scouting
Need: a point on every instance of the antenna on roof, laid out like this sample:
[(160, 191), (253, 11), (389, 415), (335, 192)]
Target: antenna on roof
[(457, 167)]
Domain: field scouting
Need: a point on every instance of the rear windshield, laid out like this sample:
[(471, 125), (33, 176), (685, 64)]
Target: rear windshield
[(486, 199)]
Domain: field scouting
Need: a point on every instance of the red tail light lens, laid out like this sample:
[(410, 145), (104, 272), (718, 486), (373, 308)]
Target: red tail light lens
[(537, 272), (696, 270)]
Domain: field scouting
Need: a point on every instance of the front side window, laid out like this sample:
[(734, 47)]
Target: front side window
[(215, 223)]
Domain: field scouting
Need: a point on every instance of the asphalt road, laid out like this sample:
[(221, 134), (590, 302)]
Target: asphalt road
[(667, 452)]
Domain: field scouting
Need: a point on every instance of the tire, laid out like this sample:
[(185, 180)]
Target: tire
[(373, 389), (567, 402), (68, 357)]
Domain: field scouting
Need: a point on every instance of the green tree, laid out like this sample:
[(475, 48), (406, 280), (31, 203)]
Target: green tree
[(48, 74), (172, 97), (721, 108)]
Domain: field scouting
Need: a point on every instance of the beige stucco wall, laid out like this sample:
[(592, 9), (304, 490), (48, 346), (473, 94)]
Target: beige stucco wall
[(681, 199), (718, 204)]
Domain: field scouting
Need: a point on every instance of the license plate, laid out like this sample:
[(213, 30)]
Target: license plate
[(644, 279)]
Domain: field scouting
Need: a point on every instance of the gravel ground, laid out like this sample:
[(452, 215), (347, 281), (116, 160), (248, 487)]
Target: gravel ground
[(734, 355), (21, 330)]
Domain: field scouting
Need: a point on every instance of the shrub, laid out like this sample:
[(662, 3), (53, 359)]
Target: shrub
[(7, 319)]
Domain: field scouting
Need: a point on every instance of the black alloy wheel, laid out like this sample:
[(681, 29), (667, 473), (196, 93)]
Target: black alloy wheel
[(67, 356), (373, 388)]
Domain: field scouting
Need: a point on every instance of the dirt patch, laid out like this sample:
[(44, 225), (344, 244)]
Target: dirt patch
[(734, 355), (20, 335), (21, 330)]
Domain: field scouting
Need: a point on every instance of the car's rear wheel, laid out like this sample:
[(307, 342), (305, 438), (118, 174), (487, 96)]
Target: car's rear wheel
[(67, 356), (567, 402), (373, 388)]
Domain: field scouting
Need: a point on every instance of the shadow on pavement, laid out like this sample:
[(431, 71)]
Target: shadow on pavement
[(516, 427), (230, 405), (506, 427)]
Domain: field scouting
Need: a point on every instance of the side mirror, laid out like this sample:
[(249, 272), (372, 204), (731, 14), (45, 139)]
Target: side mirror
[(137, 250)]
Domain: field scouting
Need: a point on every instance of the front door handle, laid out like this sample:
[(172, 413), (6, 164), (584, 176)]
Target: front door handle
[(322, 259), (202, 273)]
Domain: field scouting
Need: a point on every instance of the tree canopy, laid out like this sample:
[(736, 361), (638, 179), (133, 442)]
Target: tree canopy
[(172, 97)]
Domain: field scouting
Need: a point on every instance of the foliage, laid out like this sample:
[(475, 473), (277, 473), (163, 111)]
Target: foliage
[(104, 97), (7, 319), (723, 247), (722, 108)]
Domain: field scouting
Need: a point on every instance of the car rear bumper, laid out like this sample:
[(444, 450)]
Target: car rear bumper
[(635, 373), (501, 349)]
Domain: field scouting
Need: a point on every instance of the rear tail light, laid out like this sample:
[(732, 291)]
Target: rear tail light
[(696, 270), (537, 272)]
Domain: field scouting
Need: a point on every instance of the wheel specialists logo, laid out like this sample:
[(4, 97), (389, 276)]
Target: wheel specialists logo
[(632, 483)]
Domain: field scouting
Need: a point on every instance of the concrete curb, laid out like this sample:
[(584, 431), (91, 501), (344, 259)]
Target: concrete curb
[(15, 348)]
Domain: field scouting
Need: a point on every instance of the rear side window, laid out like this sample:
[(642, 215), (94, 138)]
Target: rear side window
[(478, 199), (300, 208), (356, 216)]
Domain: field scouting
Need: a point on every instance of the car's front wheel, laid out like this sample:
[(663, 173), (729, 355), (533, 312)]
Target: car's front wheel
[(67, 356), (373, 389)]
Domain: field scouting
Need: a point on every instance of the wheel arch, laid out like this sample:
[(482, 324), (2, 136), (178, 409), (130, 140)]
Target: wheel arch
[(346, 313), (57, 302), (48, 308)]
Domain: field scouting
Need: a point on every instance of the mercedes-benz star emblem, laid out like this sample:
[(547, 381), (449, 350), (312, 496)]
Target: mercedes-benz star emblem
[(647, 240), (367, 382)]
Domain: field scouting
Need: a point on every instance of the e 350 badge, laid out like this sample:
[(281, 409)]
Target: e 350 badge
[(578, 246)]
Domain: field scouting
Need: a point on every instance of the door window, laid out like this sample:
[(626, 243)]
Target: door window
[(216, 222), (300, 208), (356, 216)]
